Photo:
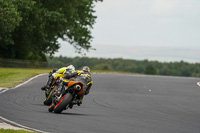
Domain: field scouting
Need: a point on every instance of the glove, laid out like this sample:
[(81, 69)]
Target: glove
[(86, 92)]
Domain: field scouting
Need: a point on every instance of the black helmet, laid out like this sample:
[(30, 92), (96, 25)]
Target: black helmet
[(86, 69)]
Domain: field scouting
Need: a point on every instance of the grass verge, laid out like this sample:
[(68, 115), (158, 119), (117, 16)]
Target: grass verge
[(10, 77), (14, 131)]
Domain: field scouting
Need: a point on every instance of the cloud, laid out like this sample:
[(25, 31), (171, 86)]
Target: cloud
[(160, 53), (146, 29), (164, 6), (148, 22)]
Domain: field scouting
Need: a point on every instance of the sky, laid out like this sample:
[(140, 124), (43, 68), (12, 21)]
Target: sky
[(161, 30)]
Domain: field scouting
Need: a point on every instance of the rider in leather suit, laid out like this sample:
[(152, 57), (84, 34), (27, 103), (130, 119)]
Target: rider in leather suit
[(84, 76), (62, 72)]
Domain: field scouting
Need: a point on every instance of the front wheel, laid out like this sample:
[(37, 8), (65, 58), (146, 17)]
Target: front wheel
[(48, 100), (66, 100)]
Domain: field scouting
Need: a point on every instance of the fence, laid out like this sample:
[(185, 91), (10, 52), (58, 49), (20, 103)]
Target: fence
[(22, 63)]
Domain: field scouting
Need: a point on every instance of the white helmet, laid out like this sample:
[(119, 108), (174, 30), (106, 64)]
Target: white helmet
[(71, 67)]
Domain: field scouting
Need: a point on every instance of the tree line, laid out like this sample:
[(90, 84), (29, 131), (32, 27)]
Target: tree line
[(30, 29), (180, 68)]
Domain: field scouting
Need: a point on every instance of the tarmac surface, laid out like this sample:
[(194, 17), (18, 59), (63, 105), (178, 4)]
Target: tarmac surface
[(118, 103)]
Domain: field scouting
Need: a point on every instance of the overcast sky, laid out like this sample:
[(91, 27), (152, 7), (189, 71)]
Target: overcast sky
[(162, 30)]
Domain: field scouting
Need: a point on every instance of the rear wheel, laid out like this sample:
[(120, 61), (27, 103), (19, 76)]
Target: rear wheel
[(66, 100)]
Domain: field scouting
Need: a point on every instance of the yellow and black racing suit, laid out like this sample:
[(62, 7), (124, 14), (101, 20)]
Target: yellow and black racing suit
[(60, 73), (84, 77)]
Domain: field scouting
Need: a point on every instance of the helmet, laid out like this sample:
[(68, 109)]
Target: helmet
[(86, 69), (71, 67)]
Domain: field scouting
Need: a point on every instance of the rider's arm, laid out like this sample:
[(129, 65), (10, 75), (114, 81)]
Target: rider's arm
[(61, 70), (70, 74), (89, 85)]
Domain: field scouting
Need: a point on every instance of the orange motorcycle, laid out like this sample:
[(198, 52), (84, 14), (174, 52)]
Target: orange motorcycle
[(68, 95)]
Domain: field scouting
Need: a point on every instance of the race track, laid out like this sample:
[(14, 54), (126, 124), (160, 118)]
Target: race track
[(118, 103)]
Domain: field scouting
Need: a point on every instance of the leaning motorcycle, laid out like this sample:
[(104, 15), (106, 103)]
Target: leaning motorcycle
[(63, 101)]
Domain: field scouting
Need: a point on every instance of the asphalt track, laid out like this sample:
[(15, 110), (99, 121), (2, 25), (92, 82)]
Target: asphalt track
[(118, 103)]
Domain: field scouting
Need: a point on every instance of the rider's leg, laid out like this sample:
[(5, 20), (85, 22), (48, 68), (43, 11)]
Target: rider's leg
[(49, 83)]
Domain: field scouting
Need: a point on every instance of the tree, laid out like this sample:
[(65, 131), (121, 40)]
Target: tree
[(9, 20), (103, 66), (150, 69), (165, 71), (39, 24)]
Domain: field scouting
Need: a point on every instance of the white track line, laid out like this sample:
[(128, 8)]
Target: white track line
[(5, 89), (28, 81), (21, 126), (198, 83), (14, 123)]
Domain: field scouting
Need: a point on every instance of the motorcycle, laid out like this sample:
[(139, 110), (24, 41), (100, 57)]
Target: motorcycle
[(64, 100)]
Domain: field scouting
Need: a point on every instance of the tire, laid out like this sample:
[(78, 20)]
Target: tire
[(48, 100), (51, 108), (66, 99)]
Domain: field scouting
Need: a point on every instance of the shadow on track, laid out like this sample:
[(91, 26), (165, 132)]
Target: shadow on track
[(77, 114)]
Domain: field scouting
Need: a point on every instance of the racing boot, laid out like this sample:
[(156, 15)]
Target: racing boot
[(77, 101), (44, 88), (71, 105)]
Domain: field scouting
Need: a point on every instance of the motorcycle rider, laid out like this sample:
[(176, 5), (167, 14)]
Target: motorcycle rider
[(85, 77), (82, 75), (62, 72)]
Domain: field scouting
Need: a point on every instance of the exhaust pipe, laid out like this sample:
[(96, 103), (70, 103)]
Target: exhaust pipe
[(78, 87)]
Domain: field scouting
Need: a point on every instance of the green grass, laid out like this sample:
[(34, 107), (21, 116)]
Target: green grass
[(10, 77), (13, 131)]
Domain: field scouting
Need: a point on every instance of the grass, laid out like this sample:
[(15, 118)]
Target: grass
[(10, 77), (13, 131)]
